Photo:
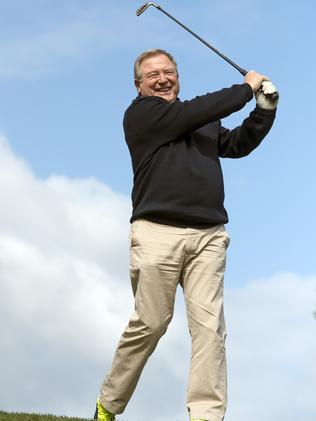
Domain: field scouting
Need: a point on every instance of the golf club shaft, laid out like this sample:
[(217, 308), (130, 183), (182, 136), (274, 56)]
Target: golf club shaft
[(144, 7)]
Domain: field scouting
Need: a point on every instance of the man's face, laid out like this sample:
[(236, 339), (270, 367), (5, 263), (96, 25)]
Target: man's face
[(159, 78)]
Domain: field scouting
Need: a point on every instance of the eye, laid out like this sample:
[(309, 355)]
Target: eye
[(152, 75)]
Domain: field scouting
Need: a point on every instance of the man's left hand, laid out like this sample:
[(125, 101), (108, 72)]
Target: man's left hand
[(267, 97)]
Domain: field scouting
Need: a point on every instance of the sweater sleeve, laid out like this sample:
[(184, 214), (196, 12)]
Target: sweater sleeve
[(244, 139), (154, 120)]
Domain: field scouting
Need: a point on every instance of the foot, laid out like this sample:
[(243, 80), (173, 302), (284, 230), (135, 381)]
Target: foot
[(101, 414)]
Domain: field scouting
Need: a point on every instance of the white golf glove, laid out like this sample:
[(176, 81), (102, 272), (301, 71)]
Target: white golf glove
[(267, 97)]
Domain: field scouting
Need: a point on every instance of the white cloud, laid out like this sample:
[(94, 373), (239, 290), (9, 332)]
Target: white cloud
[(63, 274), (65, 298), (272, 348)]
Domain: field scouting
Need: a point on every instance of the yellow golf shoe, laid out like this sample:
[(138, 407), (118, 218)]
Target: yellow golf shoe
[(101, 414)]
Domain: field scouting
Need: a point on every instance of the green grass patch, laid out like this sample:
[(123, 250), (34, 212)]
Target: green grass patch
[(17, 416)]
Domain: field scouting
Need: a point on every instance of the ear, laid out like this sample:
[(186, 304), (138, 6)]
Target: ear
[(137, 85)]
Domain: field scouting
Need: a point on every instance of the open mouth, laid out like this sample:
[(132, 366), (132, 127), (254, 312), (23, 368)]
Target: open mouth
[(164, 90)]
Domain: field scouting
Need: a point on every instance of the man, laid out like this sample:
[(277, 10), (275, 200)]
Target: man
[(177, 232)]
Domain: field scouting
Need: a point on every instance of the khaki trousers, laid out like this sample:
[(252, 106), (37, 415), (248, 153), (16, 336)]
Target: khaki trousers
[(161, 258)]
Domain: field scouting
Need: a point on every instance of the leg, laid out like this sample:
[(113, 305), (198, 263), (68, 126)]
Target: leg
[(202, 283), (155, 269)]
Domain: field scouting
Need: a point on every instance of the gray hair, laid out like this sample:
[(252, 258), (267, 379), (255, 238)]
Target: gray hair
[(150, 53)]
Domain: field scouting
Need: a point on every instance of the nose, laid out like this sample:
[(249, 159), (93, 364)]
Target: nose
[(162, 78)]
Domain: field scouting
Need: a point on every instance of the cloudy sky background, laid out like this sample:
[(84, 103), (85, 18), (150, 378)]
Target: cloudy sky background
[(65, 81)]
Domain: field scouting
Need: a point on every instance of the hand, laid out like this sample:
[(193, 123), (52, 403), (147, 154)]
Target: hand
[(255, 80), (267, 97)]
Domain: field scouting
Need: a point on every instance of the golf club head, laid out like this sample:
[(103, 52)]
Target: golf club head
[(145, 6)]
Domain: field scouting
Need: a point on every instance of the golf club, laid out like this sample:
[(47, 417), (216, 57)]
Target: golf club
[(142, 9), (145, 6)]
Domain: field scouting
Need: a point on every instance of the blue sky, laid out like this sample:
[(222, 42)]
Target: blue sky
[(65, 81)]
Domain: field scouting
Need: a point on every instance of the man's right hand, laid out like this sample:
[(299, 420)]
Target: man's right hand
[(255, 80)]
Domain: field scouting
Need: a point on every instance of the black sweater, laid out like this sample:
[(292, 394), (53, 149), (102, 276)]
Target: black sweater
[(175, 149)]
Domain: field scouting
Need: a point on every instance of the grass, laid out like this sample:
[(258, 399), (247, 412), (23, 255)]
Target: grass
[(17, 416)]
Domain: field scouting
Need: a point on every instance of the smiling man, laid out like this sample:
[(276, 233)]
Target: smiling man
[(178, 236), (157, 75)]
